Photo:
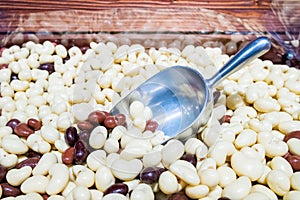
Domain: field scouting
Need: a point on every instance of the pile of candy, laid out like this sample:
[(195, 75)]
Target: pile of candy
[(59, 141)]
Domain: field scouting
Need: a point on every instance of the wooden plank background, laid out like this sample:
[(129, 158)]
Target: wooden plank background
[(78, 19)]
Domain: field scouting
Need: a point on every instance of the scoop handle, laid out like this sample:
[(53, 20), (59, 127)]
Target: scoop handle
[(253, 50)]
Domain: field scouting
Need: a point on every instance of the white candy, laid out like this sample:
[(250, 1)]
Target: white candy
[(168, 183), (15, 177), (238, 189), (39, 182), (278, 182), (49, 133), (209, 177), (197, 192), (44, 164), (295, 181), (282, 164), (171, 152), (226, 174), (245, 138), (185, 171), (245, 165), (98, 137), (142, 192), (126, 170), (59, 177), (13, 144), (220, 151)]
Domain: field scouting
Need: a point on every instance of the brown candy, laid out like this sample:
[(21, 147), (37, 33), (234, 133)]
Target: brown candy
[(293, 134), (3, 172), (85, 125), (151, 125), (12, 123), (178, 196), (31, 162), (34, 124), (81, 152), (9, 190), (294, 161), (120, 119), (120, 188), (110, 122), (68, 156), (23, 130), (97, 117)]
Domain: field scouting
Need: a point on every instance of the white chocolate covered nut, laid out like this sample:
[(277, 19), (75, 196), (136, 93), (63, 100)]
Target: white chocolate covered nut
[(85, 177), (238, 189), (220, 151), (246, 137), (136, 148), (96, 159), (278, 181), (289, 126), (104, 178), (38, 144), (79, 192), (185, 171), (39, 182), (197, 192), (209, 177), (171, 152), (295, 181), (126, 170), (98, 137), (256, 195), (44, 164), (152, 158), (226, 175), (168, 183), (282, 164), (142, 192), (49, 133), (59, 177), (114, 196), (291, 195), (14, 145), (15, 177), (276, 117), (191, 145), (265, 190), (245, 165), (294, 146)]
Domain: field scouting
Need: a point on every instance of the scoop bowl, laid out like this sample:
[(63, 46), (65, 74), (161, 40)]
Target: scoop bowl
[(181, 98)]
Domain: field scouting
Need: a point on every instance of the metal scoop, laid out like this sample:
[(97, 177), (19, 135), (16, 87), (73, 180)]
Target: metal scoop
[(181, 98)]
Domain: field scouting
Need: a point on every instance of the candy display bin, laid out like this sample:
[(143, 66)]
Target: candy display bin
[(64, 64)]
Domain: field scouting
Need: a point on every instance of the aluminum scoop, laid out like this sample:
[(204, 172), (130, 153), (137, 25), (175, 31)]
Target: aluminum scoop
[(181, 98)]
